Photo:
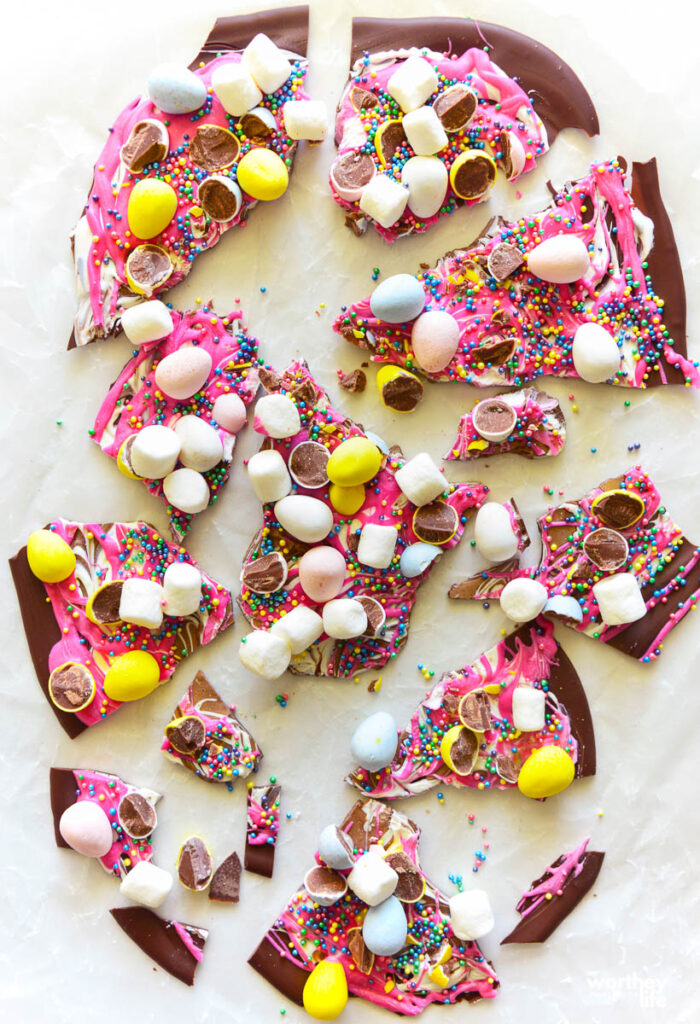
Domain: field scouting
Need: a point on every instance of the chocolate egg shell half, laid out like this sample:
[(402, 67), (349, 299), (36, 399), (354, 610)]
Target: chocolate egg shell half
[(475, 711), (148, 268), (137, 816), (102, 607), (606, 548), (494, 419), (194, 864), (435, 523), (266, 574), (619, 509), (147, 144), (307, 464), (411, 884), (213, 148), (71, 686), (187, 734), (455, 107), (325, 886)]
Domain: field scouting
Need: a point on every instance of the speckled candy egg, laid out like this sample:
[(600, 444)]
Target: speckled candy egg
[(385, 928), (434, 339), (322, 573), (373, 743), (398, 299), (181, 374), (175, 89), (560, 259), (86, 829), (229, 412)]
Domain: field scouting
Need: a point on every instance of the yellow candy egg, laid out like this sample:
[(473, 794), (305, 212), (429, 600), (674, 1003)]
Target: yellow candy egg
[(459, 749), (546, 772), (123, 461), (325, 991), (347, 500), (152, 205), (262, 174), (131, 676), (354, 462), (50, 558)]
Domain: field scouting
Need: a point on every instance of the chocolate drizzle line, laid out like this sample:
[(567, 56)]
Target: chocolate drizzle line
[(539, 924), (160, 940), (557, 94)]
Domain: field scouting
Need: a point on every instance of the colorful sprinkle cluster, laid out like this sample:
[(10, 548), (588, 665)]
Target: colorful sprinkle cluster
[(107, 791), (539, 431)]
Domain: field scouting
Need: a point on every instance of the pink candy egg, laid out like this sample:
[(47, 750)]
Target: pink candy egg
[(181, 374), (322, 573), (86, 829), (434, 339), (229, 412)]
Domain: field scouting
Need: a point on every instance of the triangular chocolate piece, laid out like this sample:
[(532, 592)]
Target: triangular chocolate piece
[(176, 947)]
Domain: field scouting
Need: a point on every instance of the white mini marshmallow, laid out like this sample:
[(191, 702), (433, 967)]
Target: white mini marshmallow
[(420, 479), (377, 545), (182, 589), (619, 599), (372, 879), (265, 654), (307, 519), (412, 83), (235, 89), (493, 532), (424, 131), (269, 475), (146, 884), (141, 602), (148, 321), (425, 177), (306, 119), (384, 200), (344, 618), (277, 416), (300, 627), (528, 709), (471, 915), (266, 63), (186, 490), (595, 353), (201, 447), (154, 452), (523, 599)]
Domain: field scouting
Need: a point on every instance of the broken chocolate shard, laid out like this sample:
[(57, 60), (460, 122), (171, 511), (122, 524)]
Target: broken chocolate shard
[(176, 947), (279, 969), (354, 382), (213, 148), (194, 864), (226, 881), (265, 574), (362, 957), (262, 828), (136, 815)]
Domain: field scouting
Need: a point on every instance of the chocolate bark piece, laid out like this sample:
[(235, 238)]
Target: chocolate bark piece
[(558, 95), (265, 574), (137, 815), (455, 107), (534, 420), (354, 382), (287, 976), (147, 144), (503, 259), (213, 148), (194, 864), (261, 829), (226, 881), (63, 794), (538, 923), (353, 170), (174, 946), (307, 464), (402, 393)]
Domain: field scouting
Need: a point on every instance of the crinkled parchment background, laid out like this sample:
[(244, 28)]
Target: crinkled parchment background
[(629, 952)]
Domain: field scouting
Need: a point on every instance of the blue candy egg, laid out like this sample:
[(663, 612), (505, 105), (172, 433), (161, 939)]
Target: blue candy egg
[(565, 607), (398, 299), (384, 928), (380, 442), (176, 90), (373, 743), (416, 558)]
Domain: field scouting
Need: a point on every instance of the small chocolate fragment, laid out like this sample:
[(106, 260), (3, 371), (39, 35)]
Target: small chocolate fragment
[(187, 735), (213, 148), (226, 881), (390, 137), (474, 177), (71, 686), (362, 99), (147, 144), (506, 768), (354, 382), (194, 864), (261, 829), (376, 616), (219, 201), (435, 523), (402, 393), (606, 548), (163, 940), (506, 154), (266, 574), (492, 416), (503, 260), (149, 267), (270, 380), (496, 350), (455, 107), (362, 957), (104, 606), (353, 170), (475, 710), (255, 128), (410, 886), (307, 464), (136, 815), (619, 509)]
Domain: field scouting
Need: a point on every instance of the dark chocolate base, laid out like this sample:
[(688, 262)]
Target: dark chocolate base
[(539, 924), (160, 940), (287, 977), (64, 792), (288, 27)]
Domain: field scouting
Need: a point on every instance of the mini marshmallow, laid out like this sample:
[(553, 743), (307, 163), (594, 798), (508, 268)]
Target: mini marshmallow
[(424, 131), (305, 119), (154, 452), (619, 599), (420, 479), (141, 602), (187, 491), (265, 654), (269, 475), (523, 599), (493, 532), (384, 200), (344, 618), (335, 849), (412, 83), (377, 545), (146, 884), (266, 63), (300, 627), (277, 416), (182, 589), (307, 519), (595, 353), (426, 179), (372, 879), (148, 321), (528, 709), (471, 916), (235, 89), (201, 445)]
